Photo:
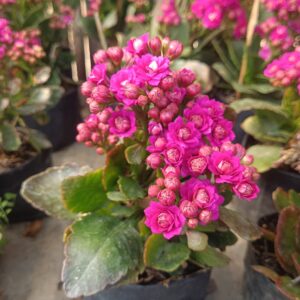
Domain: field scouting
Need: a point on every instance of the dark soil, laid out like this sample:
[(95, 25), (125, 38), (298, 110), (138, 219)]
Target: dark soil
[(151, 276), (264, 249), (10, 160)]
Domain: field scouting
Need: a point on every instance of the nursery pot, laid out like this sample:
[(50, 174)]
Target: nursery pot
[(63, 118), (256, 285), (192, 287), (11, 180)]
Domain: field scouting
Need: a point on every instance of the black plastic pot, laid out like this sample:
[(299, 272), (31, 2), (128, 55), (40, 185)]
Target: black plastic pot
[(256, 285), (10, 182), (193, 287), (63, 118)]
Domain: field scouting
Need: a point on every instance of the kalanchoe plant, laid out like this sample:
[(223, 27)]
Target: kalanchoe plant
[(22, 88), (170, 169), (286, 244)]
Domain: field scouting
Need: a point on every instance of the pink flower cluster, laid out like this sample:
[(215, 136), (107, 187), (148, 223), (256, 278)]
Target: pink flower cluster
[(93, 7), (214, 13), (188, 139), (283, 8), (285, 70), (4, 2), (63, 18), (23, 44), (136, 19), (276, 38), (170, 15)]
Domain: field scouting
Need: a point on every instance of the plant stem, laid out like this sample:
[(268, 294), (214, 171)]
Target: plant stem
[(249, 38), (100, 31)]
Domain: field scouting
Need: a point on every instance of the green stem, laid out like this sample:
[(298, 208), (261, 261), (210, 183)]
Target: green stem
[(100, 31)]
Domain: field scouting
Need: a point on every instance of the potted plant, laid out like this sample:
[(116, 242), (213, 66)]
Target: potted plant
[(275, 272), (23, 92), (54, 19), (156, 212)]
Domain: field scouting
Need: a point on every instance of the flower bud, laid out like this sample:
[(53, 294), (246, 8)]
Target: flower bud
[(166, 197), (100, 151), (142, 100), (205, 216), (92, 122), (174, 50), (248, 159), (100, 57), (94, 107), (153, 160), (154, 113), (95, 137), (186, 77), (189, 209), (155, 95), (115, 54), (172, 183), (192, 223), (153, 190), (193, 90), (86, 88), (167, 83), (131, 91), (165, 43), (101, 94), (166, 116), (160, 182), (155, 45), (171, 171)]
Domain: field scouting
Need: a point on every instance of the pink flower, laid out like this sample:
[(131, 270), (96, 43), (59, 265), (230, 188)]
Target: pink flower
[(214, 108), (226, 167), (173, 154), (222, 132), (119, 83), (247, 190), (183, 133), (169, 15), (152, 69), (138, 46), (122, 123), (98, 74), (166, 220)]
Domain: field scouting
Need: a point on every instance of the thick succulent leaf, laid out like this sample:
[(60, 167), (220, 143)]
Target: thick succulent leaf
[(164, 255), (135, 154), (266, 272), (294, 198), (130, 188), (42, 75), (285, 241), (84, 193), (197, 241), (281, 199), (239, 224), (9, 137), (38, 140), (210, 257), (254, 104), (100, 251), (222, 239), (43, 190), (288, 288), (265, 156), (116, 196)]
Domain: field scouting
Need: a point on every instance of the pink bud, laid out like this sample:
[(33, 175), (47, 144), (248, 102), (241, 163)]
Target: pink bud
[(165, 42), (115, 54), (86, 88), (131, 91), (153, 160), (197, 164), (188, 209), (193, 90), (89, 144), (228, 146), (104, 116), (92, 122), (172, 182), (154, 113), (166, 116), (205, 216), (155, 45), (100, 57), (240, 150), (166, 197), (94, 107), (95, 137), (192, 223), (171, 171), (248, 159), (175, 49), (160, 182), (201, 199), (101, 94), (153, 190), (167, 83), (142, 100), (173, 108), (100, 150), (155, 95), (112, 139), (186, 77)]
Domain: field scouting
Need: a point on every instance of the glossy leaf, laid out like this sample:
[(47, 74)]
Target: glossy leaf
[(281, 199), (100, 252), (43, 190), (9, 137), (210, 257), (135, 154), (239, 224), (164, 255), (116, 196), (42, 75), (264, 156), (84, 193), (38, 140), (130, 188), (197, 241)]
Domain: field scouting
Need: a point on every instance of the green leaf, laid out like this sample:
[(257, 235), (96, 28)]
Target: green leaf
[(268, 127), (9, 137), (42, 75), (38, 140), (164, 255), (281, 199), (264, 156), (288, 288), (110, 20), (116, 196), (197, 241), (294, 198), (181, 33), (210, 257), (254, 104), (84, 193), (43, 190), (222, 239), (130, 188), (239, 224), (100, 251), (135, 154), (285, 241), (40, 99)]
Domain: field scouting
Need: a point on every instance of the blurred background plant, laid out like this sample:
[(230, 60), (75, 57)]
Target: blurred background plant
[(6, 205)]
